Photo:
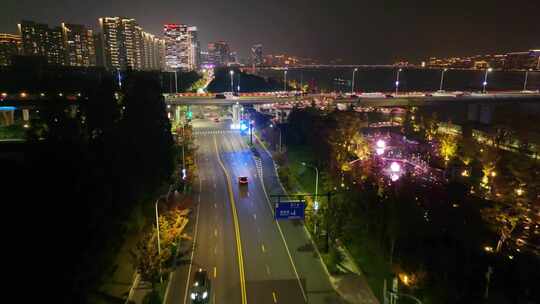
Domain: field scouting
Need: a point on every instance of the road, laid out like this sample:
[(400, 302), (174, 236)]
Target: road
[(261, 254)]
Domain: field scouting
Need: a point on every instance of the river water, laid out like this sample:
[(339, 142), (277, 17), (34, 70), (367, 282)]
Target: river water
[(376, 79)]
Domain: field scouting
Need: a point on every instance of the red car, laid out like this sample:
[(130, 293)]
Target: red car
[(243, 180)]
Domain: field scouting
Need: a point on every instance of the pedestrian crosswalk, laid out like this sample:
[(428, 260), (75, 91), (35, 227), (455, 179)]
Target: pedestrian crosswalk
[(258, 164), (212, 132)]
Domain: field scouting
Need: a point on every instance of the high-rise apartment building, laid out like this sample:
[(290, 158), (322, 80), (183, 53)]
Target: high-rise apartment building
[(257, 55), (218, 53), (153, 51), (182, 50), (79, 45), (125, 45), (122, 43), (10, 45), (40, 40)]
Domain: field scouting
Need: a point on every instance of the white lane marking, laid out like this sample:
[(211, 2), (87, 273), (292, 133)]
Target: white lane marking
[(262, 248), (267, 269), (274, 296), (215, 232), (215, 272), (285, 243), (254, 216), (215, 205), (215, 250)]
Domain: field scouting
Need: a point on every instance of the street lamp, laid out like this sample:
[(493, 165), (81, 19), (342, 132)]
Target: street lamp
[(442, 79), (352, 87), (158, 241), (175, 83), (397, 80), (232, 73), (285, 82), (315, 203), (526, 76), (485, 80)]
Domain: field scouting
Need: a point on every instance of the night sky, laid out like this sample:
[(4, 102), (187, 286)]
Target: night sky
[(358, 31)]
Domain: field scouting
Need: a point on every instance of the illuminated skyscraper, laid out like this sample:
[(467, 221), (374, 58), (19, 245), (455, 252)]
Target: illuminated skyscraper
[(218, 53), (257, 55), (181, 47), (78, 45), (40, 40), (122, 41), (10, 45)]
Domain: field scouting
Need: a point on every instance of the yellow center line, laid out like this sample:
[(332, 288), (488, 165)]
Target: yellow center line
[(236, 228), (274, 296)]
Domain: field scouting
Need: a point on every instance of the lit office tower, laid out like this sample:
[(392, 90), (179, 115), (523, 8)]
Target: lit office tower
[(218, 53), (257, 55), (79, 45), (122, 43), (10, 45), (181, 47), (40, 40)]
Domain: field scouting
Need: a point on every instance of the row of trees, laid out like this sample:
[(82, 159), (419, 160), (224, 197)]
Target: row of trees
[(89, 176), (433, 233)]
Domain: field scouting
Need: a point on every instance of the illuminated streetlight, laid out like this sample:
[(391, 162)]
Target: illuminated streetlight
[(285, 81), (485, 80), (442, 79), (24, 95), (381, 144), (519, 191), (397, 80), (231, 72), (525, 82), (352, 87), (395, 167), (315, 202)]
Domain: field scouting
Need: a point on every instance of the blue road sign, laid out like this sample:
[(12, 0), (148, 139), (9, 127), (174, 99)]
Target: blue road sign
[(290, 210)]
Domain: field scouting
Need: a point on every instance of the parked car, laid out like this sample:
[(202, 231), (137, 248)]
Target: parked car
[(220, 96)]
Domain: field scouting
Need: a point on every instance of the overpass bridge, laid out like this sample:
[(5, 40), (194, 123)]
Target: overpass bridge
[(385, 100)]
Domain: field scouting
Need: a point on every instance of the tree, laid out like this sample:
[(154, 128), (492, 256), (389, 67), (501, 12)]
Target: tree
[(448, 147), (147, 260)]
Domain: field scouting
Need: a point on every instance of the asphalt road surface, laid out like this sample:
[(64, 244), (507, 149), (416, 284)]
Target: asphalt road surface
[(236, 238)]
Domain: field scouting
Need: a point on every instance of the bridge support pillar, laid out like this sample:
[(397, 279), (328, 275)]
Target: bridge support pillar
[(26, 114), (7, 118)]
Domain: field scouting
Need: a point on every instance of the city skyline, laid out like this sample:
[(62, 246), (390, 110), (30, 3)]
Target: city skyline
[(313, 30)]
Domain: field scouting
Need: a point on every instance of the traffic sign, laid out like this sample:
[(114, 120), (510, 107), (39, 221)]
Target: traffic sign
[(290, 210)]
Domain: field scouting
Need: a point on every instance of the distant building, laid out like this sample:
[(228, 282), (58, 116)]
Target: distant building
[(10, 45), (233, 59), (154, 52), (218, 53), (79, 45), (121, 40), (40, 40), (182, 49), (257, 55), (523, 60)]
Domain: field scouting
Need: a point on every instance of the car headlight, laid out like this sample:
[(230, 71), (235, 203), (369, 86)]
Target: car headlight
[(193, 296), (204, 295)]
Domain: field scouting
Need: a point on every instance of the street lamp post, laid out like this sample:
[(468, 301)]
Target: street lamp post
[(285, 81), (485, 80), (352, 87), (397, 80), (525, 82), (442, 79), (175, 82), (158, 241), (316, 204), (231, 72)]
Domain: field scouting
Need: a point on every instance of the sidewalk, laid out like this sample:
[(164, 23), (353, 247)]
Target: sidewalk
[(350, 283), (140, 289)]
